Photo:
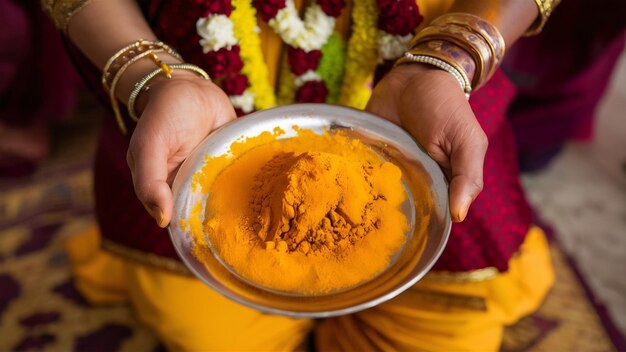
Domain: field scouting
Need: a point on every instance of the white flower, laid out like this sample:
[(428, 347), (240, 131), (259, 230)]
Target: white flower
[(245, 101), (216, 32), (309, 75), (391, 47), (310, 34)]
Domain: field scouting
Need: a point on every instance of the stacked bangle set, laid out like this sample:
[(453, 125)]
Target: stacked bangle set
[(126, 57), (468, 47)]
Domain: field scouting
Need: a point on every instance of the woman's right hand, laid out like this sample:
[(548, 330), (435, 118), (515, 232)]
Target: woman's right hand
[(179, 113), (429, 104)]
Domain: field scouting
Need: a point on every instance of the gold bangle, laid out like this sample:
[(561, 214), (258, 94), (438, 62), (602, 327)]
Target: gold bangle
[(117, 60), (489, 32), (545, 7), (464, 38), (114, 103), (139, 86), (62, 11), (471, 33), (482, 29)]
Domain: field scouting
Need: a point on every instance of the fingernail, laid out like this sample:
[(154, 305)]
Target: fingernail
[(160, 219), (460, 216), (157, 214)]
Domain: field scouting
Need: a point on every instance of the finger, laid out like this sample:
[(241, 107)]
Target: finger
[(148, 164), (467, 160)]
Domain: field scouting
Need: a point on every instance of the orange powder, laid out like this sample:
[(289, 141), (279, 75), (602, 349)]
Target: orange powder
[(310, 214)]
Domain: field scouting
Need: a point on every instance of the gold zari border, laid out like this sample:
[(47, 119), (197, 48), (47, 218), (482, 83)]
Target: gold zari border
[(478, 275), (61, 11), (445, 302), (175, 266), (146, 258)]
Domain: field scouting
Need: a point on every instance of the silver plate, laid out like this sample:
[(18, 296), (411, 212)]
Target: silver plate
[(422, 177)]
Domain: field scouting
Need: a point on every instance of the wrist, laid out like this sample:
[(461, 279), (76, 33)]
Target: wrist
[(143, 98), (416, 72)]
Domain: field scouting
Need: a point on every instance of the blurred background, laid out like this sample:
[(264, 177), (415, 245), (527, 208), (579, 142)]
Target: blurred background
[(570, 123)]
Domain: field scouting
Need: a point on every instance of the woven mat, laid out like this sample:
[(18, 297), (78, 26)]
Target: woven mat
[(41, 309)]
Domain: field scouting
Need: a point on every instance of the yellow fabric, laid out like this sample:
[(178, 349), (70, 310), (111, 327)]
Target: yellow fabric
[(442, 316), (98, 274), (438, 316), (185, 313)]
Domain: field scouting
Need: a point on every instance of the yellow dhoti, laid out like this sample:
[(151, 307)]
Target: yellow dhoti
[(435, 314)]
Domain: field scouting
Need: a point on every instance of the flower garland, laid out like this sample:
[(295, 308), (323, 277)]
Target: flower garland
[(230, 41), (229, 37), (362, 55), (397, 20), (222, 52), (330, 70), (331, 67), (305, 39), (247, 32)]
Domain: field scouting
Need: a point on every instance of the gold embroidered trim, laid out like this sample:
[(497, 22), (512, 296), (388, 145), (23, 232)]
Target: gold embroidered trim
[(545, 10), (146, 258), (478, 275), (61, 11), (445, 302)]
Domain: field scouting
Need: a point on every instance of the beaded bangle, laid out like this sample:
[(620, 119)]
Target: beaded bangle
[(460, 77), (122, 56), (139, 86), (449, 52)]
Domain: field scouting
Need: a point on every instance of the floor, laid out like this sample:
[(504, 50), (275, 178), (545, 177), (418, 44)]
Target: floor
[(582, 195)]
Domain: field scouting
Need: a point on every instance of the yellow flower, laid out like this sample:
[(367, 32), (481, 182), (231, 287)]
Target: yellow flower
[(245, 29), (362, 55)]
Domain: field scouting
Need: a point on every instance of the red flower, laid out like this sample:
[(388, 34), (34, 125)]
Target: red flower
[(217, 7), (312, 92), (223, 62), (398, 17), (240, 112), (332, 7), (235, 85), (300, 61), (268, 8)]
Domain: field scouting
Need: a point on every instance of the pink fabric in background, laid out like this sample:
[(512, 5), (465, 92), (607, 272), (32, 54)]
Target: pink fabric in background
[(561, 75)]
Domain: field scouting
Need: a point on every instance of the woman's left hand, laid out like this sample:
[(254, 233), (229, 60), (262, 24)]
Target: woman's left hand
[(431, 106)]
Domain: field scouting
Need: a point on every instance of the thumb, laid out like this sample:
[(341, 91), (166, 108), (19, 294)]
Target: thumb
[(466, 163), (149, 170)]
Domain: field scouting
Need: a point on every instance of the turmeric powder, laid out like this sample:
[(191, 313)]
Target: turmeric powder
[(310, 214)]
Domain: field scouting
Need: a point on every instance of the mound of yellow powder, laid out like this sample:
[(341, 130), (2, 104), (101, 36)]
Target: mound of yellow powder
[(310, 214)]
